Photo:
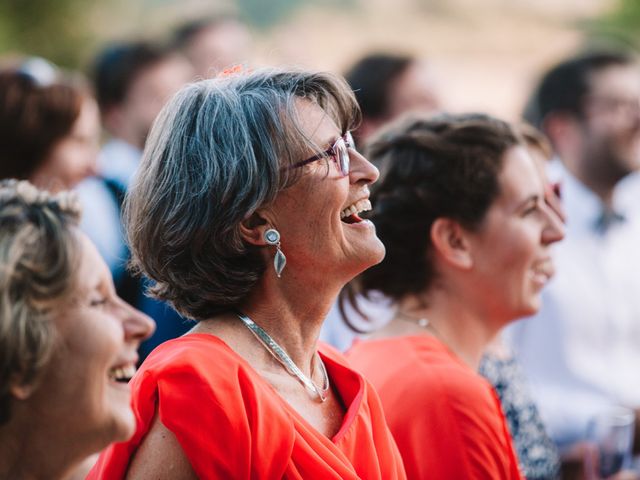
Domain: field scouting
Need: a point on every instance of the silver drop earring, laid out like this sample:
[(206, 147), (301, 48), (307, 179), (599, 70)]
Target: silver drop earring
[(272, 237)]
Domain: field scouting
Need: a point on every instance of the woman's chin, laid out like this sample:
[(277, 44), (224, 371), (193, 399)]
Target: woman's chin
[(530, 307), (123, 420), (124, 425), (375, 254)]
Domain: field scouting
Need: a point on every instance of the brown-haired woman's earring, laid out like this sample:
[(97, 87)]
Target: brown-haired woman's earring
[(272, 237)]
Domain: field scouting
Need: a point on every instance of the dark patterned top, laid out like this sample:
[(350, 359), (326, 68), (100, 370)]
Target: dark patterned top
[(536, 452)]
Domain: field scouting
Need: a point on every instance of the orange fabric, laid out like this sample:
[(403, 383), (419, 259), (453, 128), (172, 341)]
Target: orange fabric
[(232, 424), (446, 419)]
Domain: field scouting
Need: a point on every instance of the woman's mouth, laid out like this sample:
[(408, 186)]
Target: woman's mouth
[(122, 373), (350, 214), (542, 271)]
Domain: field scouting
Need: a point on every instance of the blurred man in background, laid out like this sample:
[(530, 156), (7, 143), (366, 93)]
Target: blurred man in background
[(582, 351)]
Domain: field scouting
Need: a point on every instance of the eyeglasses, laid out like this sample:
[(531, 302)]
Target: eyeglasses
[(627, 108), (339, 151)]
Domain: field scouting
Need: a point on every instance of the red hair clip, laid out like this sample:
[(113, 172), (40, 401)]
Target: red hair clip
[(234, 70)]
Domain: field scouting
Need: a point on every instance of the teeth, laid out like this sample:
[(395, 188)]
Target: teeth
[(544, 268), (124, 373), (360, 206)]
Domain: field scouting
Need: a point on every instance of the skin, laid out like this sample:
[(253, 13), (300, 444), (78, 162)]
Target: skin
[(218, 47), (327, 254), (491, 276), (131, 120), (76, 409), (415, 90), (74, 157)]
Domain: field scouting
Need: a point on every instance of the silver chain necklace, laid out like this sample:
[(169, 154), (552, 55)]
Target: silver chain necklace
[(422, 322), (317, 393)]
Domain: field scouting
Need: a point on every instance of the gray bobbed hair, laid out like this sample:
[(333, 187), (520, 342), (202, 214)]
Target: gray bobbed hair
[(218, 152)]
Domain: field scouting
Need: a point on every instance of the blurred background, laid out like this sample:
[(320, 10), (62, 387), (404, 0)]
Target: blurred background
[(485, 54)]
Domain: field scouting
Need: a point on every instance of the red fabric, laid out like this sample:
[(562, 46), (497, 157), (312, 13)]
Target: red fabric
[(232, 424), (446, 419)]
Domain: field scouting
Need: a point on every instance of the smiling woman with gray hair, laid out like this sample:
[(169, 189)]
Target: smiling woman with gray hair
[(245, 215)]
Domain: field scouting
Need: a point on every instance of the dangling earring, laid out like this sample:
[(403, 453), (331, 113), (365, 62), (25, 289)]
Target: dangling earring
[(272, 237)]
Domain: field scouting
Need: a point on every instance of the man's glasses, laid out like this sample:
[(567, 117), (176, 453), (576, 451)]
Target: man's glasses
[(339, 151), (622, 107)]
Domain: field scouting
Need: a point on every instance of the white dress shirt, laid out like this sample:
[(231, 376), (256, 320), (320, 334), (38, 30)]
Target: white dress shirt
[(581, 352)]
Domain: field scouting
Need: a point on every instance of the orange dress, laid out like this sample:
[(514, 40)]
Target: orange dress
[(446, 419), (231, 423)]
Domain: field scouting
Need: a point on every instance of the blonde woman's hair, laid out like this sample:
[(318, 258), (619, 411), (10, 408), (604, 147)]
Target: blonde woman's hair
[(38, 261)]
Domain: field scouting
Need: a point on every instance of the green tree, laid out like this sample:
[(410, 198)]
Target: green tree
[(54, 29), (264, 14), (618, 27)]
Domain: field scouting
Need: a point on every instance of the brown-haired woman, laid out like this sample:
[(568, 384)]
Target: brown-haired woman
[(245, 214), (67, 342), (50, 126), (462, 212)]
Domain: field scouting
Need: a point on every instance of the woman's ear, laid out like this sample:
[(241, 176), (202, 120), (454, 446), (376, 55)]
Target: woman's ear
[(253, 227), (451, 244), (21, 390)]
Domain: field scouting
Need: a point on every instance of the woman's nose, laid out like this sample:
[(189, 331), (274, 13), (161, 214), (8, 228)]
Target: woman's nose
[(554, 228), (362, 170), (137, 325)]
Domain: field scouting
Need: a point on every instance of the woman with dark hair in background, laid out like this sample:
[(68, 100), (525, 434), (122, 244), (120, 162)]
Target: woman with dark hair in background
[(462, 212), (50, 126), (537, 454), (67, 342), (245, 214)]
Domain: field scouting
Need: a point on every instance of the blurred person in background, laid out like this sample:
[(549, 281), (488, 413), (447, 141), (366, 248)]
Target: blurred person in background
[(50, 126), (388, 85), (132, 83), (213, 44), (582, 349), (462, 212), (67, 342), (246, 215)]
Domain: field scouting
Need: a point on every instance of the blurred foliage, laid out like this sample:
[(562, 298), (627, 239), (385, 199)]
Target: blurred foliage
[(620, 27), (49, 28), (66, 31), (263, 14)]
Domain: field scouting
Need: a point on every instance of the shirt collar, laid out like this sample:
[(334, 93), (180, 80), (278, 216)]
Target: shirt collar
[(584, 208)]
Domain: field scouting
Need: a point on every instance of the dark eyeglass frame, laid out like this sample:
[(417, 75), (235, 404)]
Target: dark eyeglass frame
[(339, 151)]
